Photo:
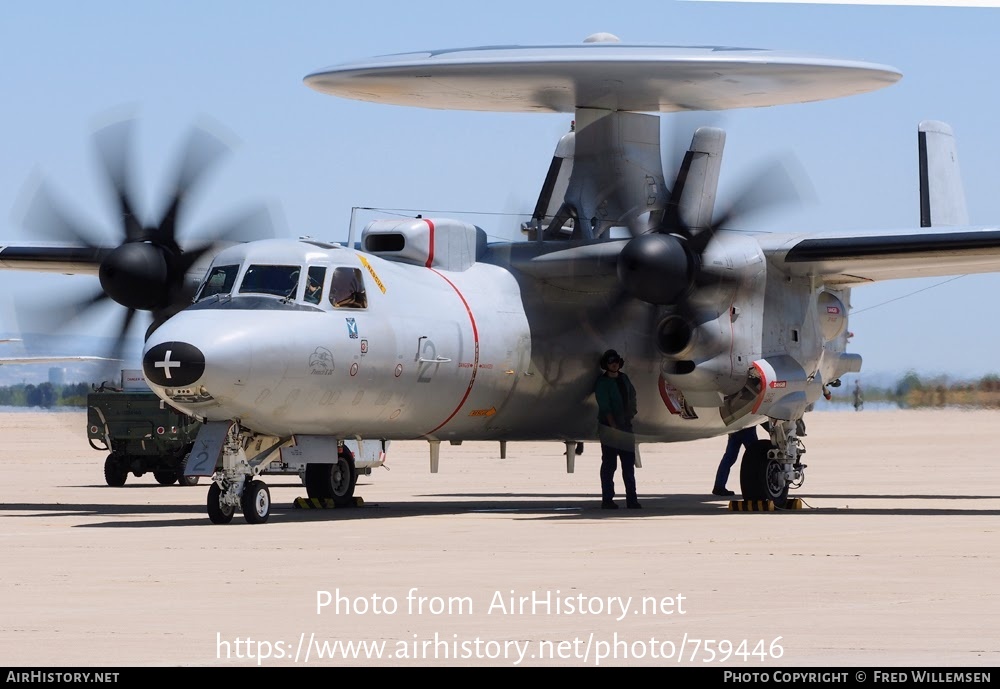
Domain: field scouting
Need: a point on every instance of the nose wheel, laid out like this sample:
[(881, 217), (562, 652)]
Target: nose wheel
[(256, 500), (235, 486), (219, 512)]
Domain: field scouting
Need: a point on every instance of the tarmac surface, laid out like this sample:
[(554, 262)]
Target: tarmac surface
[(892, 562)]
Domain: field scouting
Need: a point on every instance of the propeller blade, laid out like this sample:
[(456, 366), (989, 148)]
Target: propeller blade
[(56, 316), (147, 271), (247, 225), (700, 240), (202, 150), (777, 182), (121, 337), (710, 278), (114, 146), (48, 218)]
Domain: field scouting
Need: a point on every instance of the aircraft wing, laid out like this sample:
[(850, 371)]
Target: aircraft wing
[(53, 258), (856, 257), (50, 359)]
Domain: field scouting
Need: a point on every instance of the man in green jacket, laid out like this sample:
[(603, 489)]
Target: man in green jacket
[(615, 410)]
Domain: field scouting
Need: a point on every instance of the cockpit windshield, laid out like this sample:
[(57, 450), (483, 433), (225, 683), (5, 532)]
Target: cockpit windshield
[(281, 281), (342, 287), (219, 281)]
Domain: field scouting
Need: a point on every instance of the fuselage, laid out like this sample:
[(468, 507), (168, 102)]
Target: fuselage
[(414, 351)]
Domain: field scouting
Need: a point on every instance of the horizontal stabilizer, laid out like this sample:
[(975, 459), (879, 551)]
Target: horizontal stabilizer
[(942, 198)]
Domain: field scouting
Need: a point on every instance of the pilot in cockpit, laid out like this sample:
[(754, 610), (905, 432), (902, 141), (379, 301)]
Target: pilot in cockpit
[(347, 289), (314, 290)]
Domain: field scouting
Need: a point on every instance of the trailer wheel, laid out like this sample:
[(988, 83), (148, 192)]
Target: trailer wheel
[(166, 477), (183, 480), (115, 471)]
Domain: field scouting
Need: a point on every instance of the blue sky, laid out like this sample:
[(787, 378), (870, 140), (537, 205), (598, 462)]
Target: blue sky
[(67, 64)]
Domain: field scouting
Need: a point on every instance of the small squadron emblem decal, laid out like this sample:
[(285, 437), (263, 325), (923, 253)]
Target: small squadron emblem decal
[(321, 362)]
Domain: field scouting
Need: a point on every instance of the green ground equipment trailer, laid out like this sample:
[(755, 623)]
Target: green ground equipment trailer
[(140, 432)]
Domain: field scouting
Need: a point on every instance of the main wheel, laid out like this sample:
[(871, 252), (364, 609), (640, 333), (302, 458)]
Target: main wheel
[(166, 477), (333, 481), (217, 512), (762, 478), (115, 471), (256, 502)]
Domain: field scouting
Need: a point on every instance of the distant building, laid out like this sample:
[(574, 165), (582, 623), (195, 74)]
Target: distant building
[(57, 375)]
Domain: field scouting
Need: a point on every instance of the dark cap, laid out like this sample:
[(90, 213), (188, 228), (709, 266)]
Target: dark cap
[(611, 356)]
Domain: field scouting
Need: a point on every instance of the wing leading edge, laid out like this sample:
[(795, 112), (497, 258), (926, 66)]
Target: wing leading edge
[(862, 257), (71, 260)]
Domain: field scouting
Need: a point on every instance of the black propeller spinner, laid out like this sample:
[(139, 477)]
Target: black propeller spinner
[(147, 270)]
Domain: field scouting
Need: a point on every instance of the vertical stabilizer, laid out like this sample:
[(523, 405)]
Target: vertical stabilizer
[(617, 177), (551, 211), (692, 199), (942, 198)]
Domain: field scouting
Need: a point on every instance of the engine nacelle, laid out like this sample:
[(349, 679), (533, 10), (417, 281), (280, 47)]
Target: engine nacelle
[(784, 389), (694, 361)]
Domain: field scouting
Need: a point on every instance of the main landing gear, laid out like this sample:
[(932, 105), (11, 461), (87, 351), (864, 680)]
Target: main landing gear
[(333, 481), (771, 466)]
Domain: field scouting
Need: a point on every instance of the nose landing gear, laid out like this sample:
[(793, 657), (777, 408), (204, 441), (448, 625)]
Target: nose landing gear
[(236, 486)]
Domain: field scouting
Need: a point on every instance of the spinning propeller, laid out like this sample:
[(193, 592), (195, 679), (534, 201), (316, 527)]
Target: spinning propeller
[(662, 265), (665, 264), (147, 270)]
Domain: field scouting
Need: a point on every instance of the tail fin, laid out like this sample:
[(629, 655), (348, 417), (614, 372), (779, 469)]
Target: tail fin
[(692, 199), (550, 207), (942, 197)]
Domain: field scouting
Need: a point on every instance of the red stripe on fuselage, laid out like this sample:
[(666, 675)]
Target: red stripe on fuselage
[(430, 246), (475, 338), (763, 388)]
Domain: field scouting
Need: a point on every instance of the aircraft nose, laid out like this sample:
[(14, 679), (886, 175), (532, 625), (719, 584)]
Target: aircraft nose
[(173, 364)]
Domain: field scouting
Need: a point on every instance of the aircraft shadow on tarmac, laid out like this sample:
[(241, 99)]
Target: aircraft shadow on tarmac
[(520, 506)]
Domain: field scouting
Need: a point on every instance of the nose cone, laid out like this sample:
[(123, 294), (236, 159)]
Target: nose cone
[(173, 364)]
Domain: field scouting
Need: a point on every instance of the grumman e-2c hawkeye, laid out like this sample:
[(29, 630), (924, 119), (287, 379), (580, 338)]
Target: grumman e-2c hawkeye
[(424, 330)]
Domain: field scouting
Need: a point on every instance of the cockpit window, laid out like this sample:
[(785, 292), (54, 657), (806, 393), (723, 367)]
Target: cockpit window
[(281, 281), (219, 281), (314, 284), (347, 289)]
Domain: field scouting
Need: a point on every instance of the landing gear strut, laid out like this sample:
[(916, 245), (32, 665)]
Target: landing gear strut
[(771, 466), (236, 487)]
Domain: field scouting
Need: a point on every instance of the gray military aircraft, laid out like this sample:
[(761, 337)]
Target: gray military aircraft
[(422, 329)]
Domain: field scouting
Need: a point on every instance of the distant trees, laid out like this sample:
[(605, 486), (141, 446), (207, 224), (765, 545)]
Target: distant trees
[(912, 391), (44, 395), (910, 382)]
